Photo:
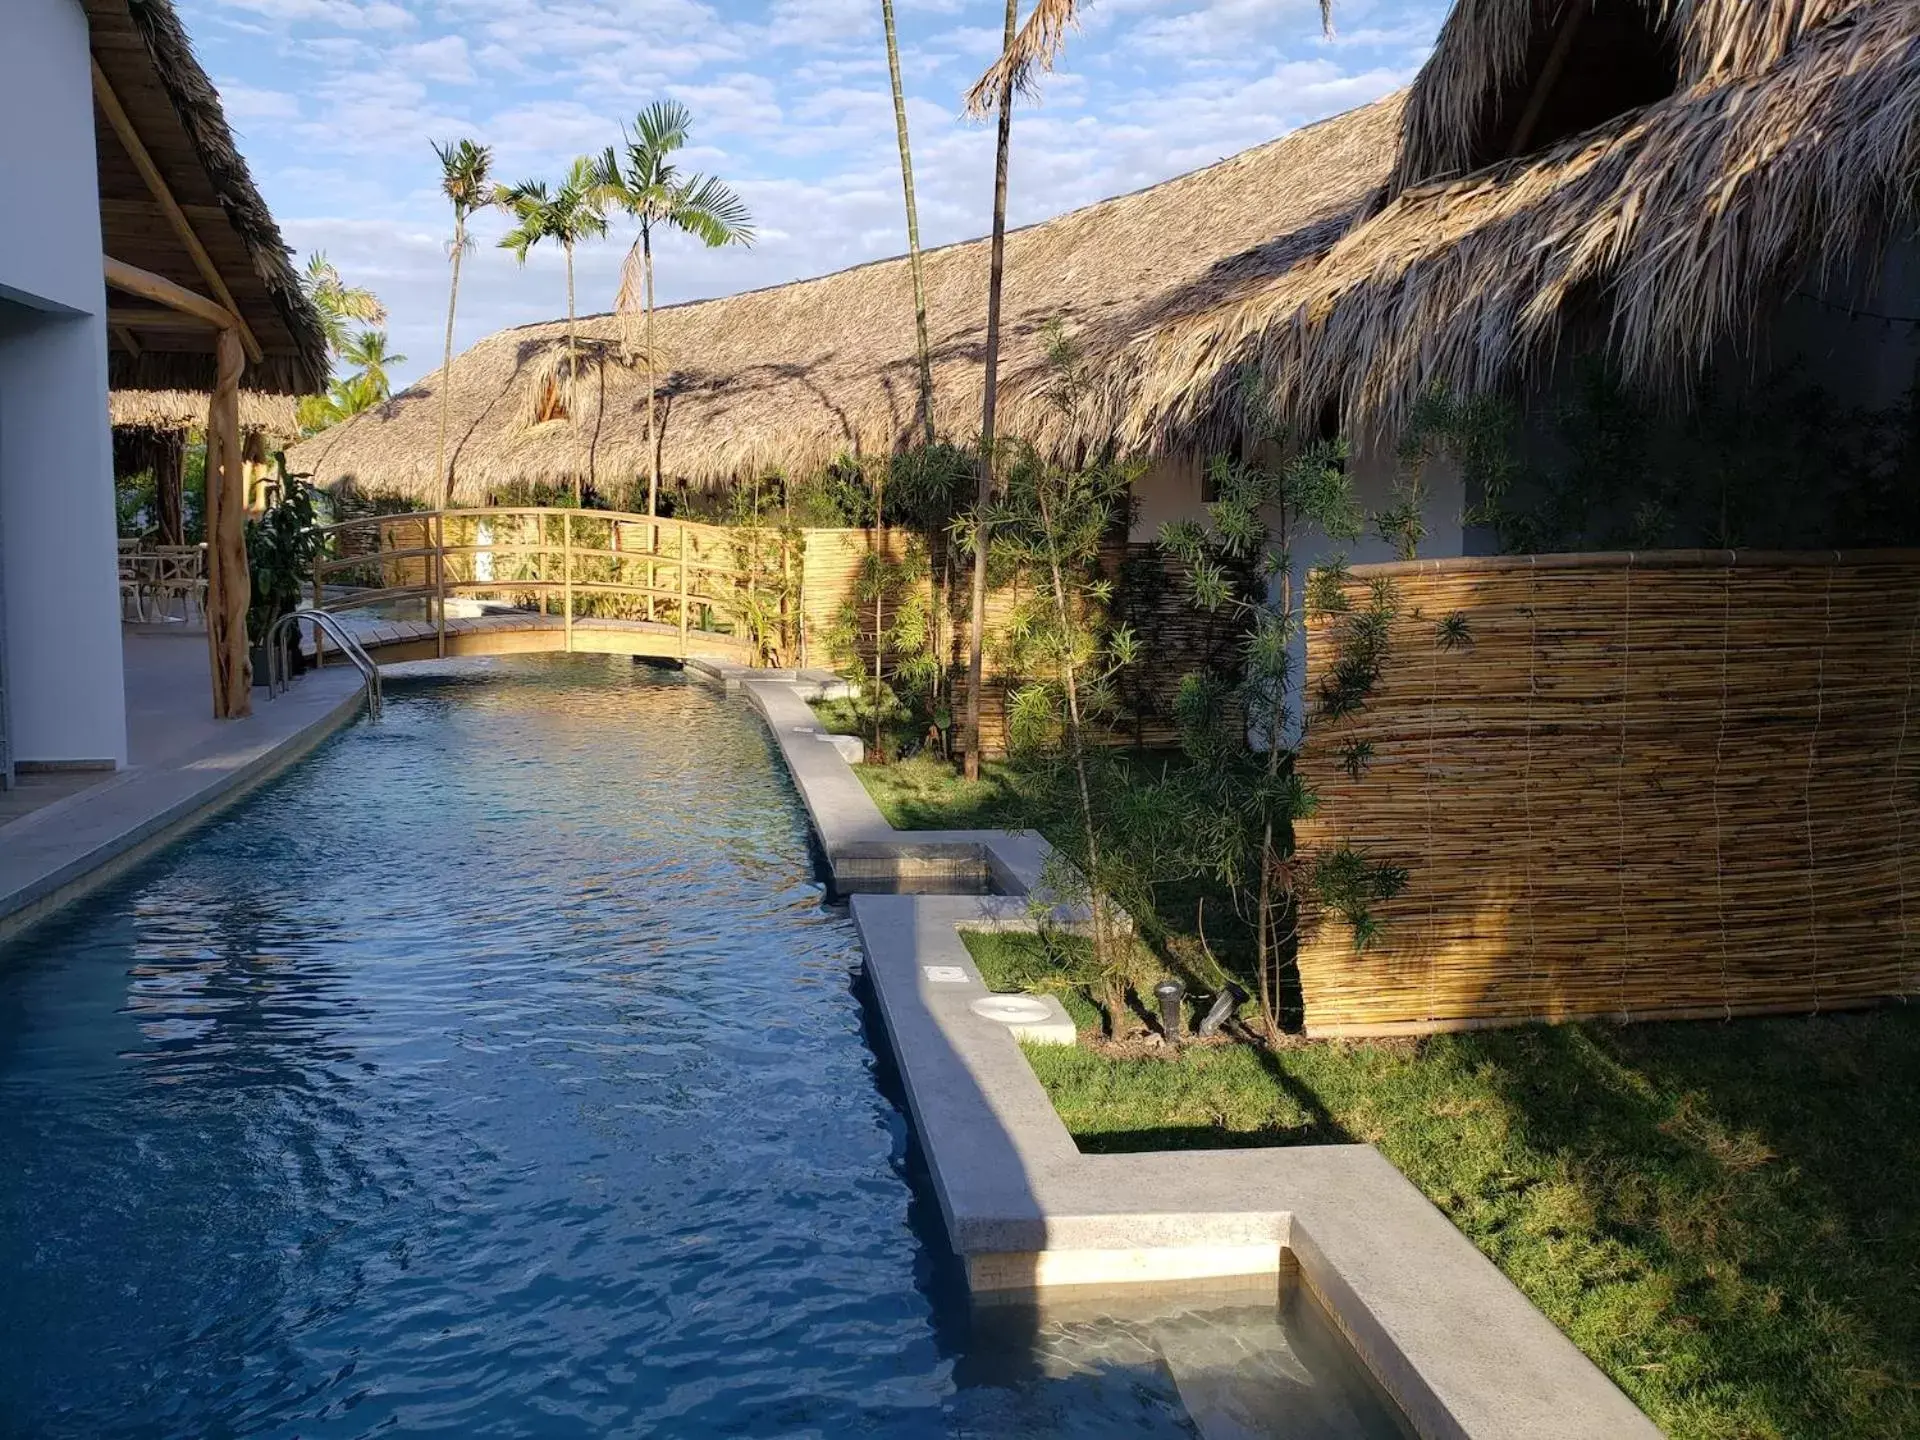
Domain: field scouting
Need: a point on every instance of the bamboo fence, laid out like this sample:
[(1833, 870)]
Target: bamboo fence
[(1679, 784)]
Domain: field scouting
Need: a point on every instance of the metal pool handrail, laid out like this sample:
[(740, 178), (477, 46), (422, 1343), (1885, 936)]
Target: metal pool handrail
[(277, 667)]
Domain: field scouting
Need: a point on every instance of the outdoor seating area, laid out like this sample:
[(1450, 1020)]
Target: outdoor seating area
[(163, 584)]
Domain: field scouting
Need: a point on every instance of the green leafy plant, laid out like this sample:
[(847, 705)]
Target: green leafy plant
[(1349, 885), (282, 545)]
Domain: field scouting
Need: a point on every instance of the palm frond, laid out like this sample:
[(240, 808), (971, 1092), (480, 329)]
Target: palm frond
[(464, 170), (1035, 47), (663, 127), (710, 211)]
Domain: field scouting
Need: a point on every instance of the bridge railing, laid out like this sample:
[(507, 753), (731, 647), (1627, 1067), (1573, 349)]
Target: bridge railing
[(574, 564)]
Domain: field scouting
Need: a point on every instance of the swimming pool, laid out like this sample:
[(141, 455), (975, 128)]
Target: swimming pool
[(500, 1071)]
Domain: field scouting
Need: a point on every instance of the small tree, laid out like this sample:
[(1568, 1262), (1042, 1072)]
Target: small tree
[(1241, 732), (1051, 522)]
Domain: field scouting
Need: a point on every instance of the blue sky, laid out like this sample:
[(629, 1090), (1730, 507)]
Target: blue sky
[(334, 103)]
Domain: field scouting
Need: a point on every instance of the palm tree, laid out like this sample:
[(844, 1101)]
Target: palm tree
[(338, 303), (574, 212), (367, 353), (650, 188), (464, 168), (913, 224), (996, 274)]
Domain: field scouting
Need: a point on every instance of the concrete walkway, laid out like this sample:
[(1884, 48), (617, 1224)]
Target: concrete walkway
[(66, 833)]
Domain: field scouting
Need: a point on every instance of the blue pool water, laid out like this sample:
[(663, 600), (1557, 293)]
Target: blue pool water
[(501, 1071)]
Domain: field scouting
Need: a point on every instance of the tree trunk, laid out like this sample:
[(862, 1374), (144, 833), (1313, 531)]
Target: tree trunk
[(228, 587), (653, 439), (169, 465), (976, 642), (446, 369), (879, 601), (573, 419), (1113, 983), (913, 225)]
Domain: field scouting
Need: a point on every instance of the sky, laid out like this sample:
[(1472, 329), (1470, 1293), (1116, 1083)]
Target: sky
[(335, 102)]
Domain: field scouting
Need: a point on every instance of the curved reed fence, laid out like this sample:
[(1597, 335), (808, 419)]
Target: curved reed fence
[(1681, 784)]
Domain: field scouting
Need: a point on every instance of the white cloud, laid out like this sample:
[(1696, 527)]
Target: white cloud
[(245, 103), (444, 59)]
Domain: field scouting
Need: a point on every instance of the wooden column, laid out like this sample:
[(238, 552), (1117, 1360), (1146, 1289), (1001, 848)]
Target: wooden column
[(229, 588)]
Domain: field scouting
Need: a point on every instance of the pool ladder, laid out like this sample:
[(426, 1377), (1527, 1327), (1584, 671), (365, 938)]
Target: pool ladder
[(279, 657)]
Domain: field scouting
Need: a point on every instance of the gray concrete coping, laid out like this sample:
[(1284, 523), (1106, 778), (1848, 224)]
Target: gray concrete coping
[(70, 847), (1458, 1346), (864, 853)]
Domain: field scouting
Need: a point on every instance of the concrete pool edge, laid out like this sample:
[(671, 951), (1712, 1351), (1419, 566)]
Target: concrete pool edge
[(864, 853), (70, 848), (1455, 1343)]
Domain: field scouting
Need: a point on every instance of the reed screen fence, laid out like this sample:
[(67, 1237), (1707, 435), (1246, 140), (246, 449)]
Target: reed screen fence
[(1673, 785)]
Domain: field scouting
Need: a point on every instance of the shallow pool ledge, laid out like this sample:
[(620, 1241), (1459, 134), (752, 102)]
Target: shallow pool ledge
[(1455, 1343), (864, 853), (65, 850)]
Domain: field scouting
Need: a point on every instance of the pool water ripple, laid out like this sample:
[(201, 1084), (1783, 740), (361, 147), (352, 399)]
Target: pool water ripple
[(496, 1071)]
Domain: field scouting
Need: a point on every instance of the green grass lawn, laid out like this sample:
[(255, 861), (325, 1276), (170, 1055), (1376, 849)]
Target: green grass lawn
[(1724, 1216)]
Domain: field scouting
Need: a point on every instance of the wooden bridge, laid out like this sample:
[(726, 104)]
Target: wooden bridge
[(517, 580)]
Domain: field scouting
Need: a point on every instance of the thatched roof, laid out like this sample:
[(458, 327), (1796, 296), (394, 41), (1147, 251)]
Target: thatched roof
[(1661, 234), (145, 58), (1492, 55), (795, 375), (177, 411)]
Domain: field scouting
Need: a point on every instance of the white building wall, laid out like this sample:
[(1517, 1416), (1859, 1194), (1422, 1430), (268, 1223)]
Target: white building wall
[(64, 686), (1174, 489), (47, 165)]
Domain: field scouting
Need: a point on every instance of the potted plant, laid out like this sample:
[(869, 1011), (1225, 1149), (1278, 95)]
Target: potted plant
[(282, 545)]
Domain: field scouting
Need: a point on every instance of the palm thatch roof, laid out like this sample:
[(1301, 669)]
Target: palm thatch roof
[(1661, 234), (1492, 57), (795, 375), (177, 411), (147, 67)]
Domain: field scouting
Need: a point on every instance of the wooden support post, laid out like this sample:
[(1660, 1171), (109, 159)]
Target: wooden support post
[(683, 594), (229, 589), (566, 572), (440, 583)]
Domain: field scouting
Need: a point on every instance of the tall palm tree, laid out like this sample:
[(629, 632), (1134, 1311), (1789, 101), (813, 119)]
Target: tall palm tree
[(573, 213), (464, 172), (642, 180), (338, 303), (913, 224), (983, 498)]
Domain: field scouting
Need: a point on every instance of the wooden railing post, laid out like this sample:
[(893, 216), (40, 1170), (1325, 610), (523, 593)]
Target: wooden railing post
[(683, 594), (566, 572), (319, 603), (440, 583)]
